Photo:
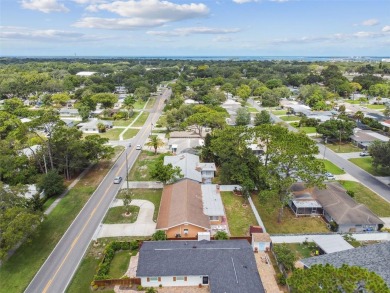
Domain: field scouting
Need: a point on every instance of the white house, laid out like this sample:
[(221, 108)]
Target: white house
[(261, 242)]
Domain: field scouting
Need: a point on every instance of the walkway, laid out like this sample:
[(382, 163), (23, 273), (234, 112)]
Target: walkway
[(143, 226), (266, 272)]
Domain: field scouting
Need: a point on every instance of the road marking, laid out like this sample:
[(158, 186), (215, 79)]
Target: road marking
[(48, 284)]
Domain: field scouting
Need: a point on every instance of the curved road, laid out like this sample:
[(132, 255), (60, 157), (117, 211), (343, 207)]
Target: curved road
[(59, 268), (362, 176)]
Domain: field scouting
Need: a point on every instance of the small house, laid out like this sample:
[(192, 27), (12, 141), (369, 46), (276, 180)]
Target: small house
[(261, 242), (364, 138)]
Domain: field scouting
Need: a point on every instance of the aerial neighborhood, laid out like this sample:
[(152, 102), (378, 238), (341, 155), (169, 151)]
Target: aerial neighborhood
[(176, 175)]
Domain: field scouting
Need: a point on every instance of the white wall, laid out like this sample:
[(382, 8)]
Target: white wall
[(168, 282)]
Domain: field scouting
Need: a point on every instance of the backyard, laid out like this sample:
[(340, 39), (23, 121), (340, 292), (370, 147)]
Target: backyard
[(302, 250), (290, 224), (363, 195), (366, 164), (239, 214)]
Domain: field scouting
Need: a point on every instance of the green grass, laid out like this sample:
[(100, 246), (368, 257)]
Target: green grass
[(363, 195), (17, 272), (152, 195), (252, 110), (354, 102), (84, 275), (139, 104), (151, 103), (269, 210), (366, 164), (162, 121), (116, 215), (332, 168), (130, 133), (290, 118), (279, 112), (141, 119), (376, 107), (141, 167), (112, 134), (308, 129), (119, 264), (123, 122), (343, 148), (239, 218), (302, 250)]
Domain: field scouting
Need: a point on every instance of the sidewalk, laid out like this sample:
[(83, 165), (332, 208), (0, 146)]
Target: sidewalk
[(131, 124), (143, 184)]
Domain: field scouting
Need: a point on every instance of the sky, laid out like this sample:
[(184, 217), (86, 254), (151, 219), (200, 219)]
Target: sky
[(195, 28)]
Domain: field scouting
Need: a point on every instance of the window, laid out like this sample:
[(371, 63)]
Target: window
[(214, 218), (180, 278), (185, 231), (153, 279)]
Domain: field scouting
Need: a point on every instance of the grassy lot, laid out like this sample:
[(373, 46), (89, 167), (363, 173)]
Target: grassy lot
[(162, 121), (279, 112), (363, 195), (302, 250), (269, 209), (17, 272), (151, 103), (141, 120), (343, 148), (366, 164), (119, 264), (130, 133), (252, 110), (308, 129), (239, 217), (112, 134), (376, 107), (152, 195), (332, 168), (116, 215), (290, 118), (140, 170), (139, 104), (354, 102), (124, 122)]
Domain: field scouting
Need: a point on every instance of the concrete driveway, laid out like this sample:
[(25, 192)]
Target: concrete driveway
[(143, 226)]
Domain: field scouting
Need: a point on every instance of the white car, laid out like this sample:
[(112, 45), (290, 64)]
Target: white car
[(138, 147), (117, 180), (329, 176), (364, 154)]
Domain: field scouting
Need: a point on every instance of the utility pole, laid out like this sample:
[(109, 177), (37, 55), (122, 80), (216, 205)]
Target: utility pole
[(127, 177)]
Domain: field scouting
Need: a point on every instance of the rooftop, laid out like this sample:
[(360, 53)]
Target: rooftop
[(212, 202), (230, 264)]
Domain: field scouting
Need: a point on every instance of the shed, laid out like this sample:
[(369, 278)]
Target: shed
[(261, 241)]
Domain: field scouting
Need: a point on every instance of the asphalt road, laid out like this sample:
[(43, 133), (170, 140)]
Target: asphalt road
[(59, 268), (365, 178)]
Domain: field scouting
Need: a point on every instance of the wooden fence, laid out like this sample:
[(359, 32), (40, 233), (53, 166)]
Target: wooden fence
[(128, 282)]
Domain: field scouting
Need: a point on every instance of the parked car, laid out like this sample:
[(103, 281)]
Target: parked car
[(329, 176), (117, 180), (138, 147), (364, 154)]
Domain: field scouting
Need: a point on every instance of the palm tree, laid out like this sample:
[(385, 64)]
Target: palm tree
[(155, 142), (359, 115)]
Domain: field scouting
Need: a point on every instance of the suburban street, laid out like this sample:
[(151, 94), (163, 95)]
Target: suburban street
[(362, 176), (59, 268)]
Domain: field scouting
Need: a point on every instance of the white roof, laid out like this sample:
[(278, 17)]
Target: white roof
[(25, 120), (31, 150), (212, 202), (332, 244), (187, 163), (306, 204), (86, 73)]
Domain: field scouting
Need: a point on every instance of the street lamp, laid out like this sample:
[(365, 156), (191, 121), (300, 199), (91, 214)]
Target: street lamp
[(151, 128), (127, 176), (325, 142)]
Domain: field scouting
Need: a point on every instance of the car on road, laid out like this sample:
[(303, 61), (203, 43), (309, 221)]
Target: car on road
[(117, 179), (329, 176), (138, 147), (364, 154)]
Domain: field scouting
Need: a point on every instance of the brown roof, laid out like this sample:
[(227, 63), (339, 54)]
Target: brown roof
[(255, 229), (337, 203), (181, 203), (261, 237)]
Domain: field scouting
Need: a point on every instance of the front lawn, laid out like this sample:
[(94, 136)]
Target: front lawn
[(139, 104), (332, 168), (376, 107), (308, 129), (343, 147), (279, 112), (269, 210), (112, 134), (152, 195), (151, 103), (141, 119), (130, 133), (141, 167), (124, 122), (17, 272), (363, 195), (366, 164), (239, 217), (117, 215), (290, 118)]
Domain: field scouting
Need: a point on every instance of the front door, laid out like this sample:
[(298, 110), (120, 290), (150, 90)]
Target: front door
[(261, 246), (205, 280)]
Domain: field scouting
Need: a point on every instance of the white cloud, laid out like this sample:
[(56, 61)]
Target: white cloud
[(193, 30), (88, 1), (139, 14), (370, 22), (45, 6), (244, 1), (49, 35), (386, 28), (222, 39)]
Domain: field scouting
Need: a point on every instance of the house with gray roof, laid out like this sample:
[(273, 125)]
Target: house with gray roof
[(91, 126), (375, 258), (191, 167), (364, 138), (225, 266), (335, 205), (69, 112)]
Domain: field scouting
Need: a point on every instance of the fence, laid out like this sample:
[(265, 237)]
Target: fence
[(128, 282), (248, 238)]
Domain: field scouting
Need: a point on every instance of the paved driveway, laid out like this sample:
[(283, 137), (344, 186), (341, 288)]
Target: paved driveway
[(143, 226)]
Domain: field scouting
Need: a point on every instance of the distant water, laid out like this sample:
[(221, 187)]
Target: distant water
[(221, 58)]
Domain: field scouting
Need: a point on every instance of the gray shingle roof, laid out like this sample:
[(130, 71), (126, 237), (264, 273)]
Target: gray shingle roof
[(221, 260), (375, 258)]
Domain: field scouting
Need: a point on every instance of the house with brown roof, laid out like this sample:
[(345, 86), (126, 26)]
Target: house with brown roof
[(335, 205), (181, 210)]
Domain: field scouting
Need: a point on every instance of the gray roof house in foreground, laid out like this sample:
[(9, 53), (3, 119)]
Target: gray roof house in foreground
[(226, 266), (375, 258)]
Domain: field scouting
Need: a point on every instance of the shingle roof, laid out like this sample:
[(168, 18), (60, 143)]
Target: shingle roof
[(181, 202), (375, 258), (212, 202), (338, 204), (230, 264), (187, 163)]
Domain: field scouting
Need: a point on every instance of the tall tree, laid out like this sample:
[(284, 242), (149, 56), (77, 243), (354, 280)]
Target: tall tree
[(155, 142), (262, 118), (142, 93), (243, 116)]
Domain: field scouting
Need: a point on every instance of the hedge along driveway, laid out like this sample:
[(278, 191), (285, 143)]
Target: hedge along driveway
[(17, 272)]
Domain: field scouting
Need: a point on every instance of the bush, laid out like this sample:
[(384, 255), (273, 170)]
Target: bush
[(285, 256), (281, 279), (221, 235), (351, 193), (140, 288), (159, 235)]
